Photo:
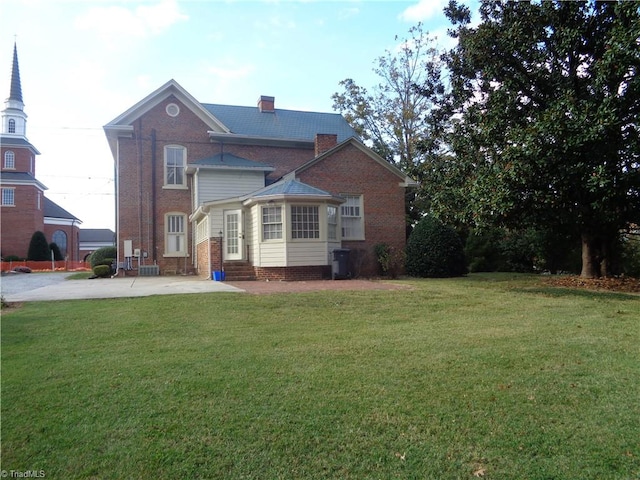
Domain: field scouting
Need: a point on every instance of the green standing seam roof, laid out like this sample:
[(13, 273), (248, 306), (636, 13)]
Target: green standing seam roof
[(230, 160), (280, 124)]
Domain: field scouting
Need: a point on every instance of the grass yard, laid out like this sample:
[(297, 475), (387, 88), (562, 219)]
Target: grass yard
[(489, 376)]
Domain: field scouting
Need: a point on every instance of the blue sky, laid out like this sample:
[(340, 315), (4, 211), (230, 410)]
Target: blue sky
[(82, 63)]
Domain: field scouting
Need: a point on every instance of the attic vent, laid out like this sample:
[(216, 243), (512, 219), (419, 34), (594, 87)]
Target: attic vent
[(172, 110)]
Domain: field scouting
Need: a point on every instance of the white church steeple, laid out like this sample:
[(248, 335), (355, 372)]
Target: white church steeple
[(14, 120)]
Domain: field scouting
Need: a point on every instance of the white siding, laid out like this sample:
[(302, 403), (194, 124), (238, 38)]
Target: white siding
[(220, 184), (272, 254), (307, 253)]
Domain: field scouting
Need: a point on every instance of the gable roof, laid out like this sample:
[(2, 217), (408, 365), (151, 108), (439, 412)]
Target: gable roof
[(280, 124), (231, 162), (407, 181), (53, 210), (170, 88)]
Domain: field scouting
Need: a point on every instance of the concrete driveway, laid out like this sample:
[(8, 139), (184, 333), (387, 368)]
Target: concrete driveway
[(31, 287)]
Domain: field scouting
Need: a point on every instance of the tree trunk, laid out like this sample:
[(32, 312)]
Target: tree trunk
[(590, 267)]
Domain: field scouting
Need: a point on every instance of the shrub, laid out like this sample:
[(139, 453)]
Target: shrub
[(389, 259), (39, 248), (102, 271), (483, 251), (101, 255), (57, 254), (434, 250), (13, 258)]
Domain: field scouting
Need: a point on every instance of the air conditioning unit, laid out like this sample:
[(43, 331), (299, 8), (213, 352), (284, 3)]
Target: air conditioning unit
[(148, 270)]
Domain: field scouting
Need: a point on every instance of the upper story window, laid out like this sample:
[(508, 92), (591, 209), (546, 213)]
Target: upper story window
[(174, 166), (12, 126), (272, 223), (9, 159), (305, 222), (352, 216), (8, 197)]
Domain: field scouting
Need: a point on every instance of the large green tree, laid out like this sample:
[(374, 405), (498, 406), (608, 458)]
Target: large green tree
[(395, 116), (546, 97), (396, 113)]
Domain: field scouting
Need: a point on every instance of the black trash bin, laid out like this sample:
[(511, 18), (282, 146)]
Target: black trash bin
[(341, 263)]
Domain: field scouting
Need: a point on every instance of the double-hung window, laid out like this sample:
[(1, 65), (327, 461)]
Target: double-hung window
[(305, 222), (8, 197), (352, 217), (272, 222), (175, 227), (9, 159), (174, 166)]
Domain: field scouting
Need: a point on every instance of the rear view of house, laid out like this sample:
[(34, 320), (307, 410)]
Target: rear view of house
[(257, 192)]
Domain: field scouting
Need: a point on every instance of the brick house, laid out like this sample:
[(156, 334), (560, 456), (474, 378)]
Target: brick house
[(24, 208), (256, 192)]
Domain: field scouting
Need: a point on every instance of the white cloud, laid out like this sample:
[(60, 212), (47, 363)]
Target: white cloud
[(116, 21), (423, 10)]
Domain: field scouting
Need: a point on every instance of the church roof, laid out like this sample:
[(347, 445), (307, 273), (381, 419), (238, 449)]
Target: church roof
[(16, 88), (13, 141), (53, 210), (97, 235), (20, 178)]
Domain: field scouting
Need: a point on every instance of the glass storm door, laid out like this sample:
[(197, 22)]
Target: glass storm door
[(233, 235)]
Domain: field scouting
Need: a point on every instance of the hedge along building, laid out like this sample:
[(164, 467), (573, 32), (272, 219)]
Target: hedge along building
[(268, 192), (24, 208)]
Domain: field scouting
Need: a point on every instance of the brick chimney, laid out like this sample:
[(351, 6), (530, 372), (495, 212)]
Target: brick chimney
[(325, 141), (266, 104)]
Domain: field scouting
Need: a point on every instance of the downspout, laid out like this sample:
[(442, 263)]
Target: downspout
[(153, 194), (140, 189)]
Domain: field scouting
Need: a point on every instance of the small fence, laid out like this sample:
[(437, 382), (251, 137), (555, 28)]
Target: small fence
[(46, 266)]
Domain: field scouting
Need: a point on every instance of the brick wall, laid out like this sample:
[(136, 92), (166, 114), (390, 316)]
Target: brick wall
[(315, 272), (21, 221), (73, 239), (141, 218), (351, 171)]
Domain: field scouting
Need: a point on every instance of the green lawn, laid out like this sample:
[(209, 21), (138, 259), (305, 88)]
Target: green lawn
[(487, 376)]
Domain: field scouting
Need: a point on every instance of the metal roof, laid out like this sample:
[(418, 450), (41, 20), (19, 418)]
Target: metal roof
[(280, 124), (229, 160), (291, 187)]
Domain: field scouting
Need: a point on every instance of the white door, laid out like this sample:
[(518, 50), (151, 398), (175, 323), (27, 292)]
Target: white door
[(233, 235)]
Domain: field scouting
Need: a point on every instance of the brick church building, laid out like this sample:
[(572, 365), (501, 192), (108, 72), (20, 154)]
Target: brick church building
[(24, 208)]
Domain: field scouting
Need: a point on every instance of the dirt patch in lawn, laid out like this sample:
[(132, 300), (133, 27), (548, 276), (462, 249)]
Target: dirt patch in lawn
[(614, 284)]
